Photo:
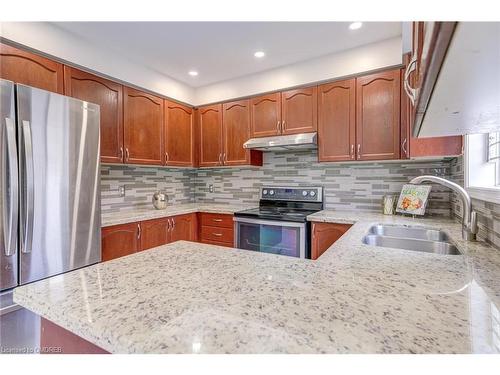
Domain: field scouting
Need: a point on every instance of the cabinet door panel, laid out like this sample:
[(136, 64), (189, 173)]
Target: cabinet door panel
[(210, 135), (265, 112), (236, 126), (154, 233), (184, 228), (143, 127), (378, 115), (324, 235), (108, 95), (30, 69), (299, 109), (120, 240), (337, 121), (179, 132)]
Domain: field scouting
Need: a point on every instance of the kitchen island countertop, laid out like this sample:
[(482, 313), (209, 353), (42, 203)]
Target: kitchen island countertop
[(188, 297)]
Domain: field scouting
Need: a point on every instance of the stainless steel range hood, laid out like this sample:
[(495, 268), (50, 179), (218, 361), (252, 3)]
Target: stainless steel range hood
[(283, 142)]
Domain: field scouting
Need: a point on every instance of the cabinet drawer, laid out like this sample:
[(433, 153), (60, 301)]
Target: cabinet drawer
[(217, 234), (216, 220), (225, 244)]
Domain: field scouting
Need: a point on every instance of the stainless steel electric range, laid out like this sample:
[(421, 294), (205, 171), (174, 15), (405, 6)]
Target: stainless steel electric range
[(279, 225)]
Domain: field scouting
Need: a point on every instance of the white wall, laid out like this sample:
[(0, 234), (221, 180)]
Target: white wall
[(54, 41), (50, 39), (356, 60)]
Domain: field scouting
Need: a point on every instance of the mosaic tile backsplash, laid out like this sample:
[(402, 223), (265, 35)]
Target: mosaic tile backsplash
[(140, 184), (347, 186)]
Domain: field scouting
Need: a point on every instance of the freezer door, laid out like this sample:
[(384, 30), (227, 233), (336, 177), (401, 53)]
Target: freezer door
[(60, 221), (9, 189)]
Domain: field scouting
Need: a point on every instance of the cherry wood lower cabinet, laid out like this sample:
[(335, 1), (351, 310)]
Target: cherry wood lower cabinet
[(30, 69), (324, 235), (337, 121), (154, 233), (109, 96), (184, 227), (378, 115), (56, 340), (120, 240), (142, 127), (216, 229)]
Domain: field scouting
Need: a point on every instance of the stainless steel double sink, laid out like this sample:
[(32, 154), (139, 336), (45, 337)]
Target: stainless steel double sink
[(405, 237)]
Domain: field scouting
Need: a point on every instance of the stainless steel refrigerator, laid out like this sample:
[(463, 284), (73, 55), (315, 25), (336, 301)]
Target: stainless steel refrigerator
[(49, 186)]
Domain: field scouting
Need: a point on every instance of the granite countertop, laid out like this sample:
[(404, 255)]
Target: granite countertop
[(140, 214), (194, 298)]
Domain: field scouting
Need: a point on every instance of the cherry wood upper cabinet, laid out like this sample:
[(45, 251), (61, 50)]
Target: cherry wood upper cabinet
[(378, 115), (120, 240), (337, 121), (265, 115), (422, 147), (210, 135), (154, 233), (299, 109), (109, 96), (142, 127), (184, 227), (30, 69), (179, 133), (236, 131)]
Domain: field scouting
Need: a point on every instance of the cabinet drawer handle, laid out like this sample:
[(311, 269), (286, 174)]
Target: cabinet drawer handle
[(278, 127), (173, 224), (352, 151), (138, 231), (283, 126), (166, 157), (217, 220), (121, 154), (217, 234), (127, 154), (359, 150)]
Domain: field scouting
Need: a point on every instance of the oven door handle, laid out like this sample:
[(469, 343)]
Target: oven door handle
[(275, 223)]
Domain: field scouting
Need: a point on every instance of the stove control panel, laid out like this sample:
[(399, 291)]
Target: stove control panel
[(303, 194)]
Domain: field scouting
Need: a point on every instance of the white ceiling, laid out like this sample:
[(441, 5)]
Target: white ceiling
[(221, 51)]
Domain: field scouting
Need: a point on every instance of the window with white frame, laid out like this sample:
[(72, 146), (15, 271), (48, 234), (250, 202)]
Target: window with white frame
[(482, 166)]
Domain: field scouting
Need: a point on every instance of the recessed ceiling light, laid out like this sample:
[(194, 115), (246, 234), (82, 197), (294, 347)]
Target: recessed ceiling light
[(193, 73), (259, 54), (355, 25)]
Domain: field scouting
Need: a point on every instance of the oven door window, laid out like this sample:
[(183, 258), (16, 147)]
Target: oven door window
[(271, 238)]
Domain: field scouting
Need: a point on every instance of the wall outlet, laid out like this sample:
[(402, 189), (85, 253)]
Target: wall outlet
[(121, 190), (210, 188)]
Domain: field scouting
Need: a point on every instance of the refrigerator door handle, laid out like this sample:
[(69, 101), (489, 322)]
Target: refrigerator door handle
[(29, 198), (10, 237)]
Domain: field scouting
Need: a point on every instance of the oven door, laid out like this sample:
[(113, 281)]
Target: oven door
[(269, 236)]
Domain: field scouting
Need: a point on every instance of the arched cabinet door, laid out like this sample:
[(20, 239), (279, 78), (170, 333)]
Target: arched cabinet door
[(142, 127), (30, 69), (179, 132), (378, 116), (299, 110), (337, 121), (109, 96), (120, 240), (210, 135), (265, 115)]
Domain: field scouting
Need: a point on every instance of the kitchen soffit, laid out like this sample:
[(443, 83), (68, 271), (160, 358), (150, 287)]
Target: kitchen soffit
[(221, 51)]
